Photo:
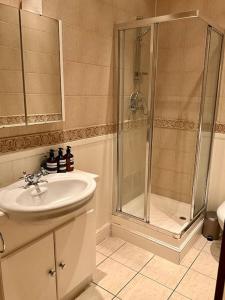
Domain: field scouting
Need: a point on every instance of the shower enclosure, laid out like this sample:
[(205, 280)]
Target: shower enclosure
[(168, 75)]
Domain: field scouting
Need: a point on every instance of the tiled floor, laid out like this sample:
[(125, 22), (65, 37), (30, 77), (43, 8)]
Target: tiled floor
[(127, 272)]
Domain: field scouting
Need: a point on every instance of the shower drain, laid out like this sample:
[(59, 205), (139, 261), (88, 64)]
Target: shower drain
[(183, 218)]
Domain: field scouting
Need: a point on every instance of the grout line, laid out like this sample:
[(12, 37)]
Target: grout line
[(139, 272), (123, 264), (157, 282), (104, 289), (178, 294), (126, 284), (202, 250), (146, 264), (101, 261), (190, 268), (108, 256), (203, 274)]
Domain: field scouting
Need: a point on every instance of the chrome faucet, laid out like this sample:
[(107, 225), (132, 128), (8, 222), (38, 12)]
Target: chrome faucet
[(34, 179)]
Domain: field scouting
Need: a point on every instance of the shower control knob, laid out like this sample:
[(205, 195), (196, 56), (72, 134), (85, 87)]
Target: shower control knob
[(62, 265), (52, 272)]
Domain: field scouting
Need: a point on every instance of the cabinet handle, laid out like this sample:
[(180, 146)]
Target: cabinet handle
[(3, 243), (62, 265), (52, 273)]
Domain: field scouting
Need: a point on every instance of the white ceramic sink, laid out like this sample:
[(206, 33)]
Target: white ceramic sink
[(62, 194)]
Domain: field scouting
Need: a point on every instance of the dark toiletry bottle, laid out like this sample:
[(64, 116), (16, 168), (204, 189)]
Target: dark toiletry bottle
[(61, 161), (51, 164), (69, 160)]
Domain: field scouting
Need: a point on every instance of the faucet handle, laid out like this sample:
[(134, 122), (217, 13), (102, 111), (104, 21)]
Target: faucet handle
[(24, 175), (43, 171), (27, 177)]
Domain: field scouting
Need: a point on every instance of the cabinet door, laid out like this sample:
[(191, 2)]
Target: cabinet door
[(75, 253), (25, 274)]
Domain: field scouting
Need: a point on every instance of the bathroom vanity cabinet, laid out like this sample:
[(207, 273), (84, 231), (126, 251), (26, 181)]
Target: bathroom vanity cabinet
[(55, 266)]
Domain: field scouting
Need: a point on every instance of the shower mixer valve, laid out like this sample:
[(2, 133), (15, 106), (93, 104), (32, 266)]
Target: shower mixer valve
[(137, 102)]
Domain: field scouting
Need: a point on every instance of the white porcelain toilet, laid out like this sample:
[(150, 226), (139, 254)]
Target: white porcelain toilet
[(221, 214)]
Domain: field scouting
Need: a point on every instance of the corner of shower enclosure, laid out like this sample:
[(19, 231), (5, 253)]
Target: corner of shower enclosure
[(166, 118)]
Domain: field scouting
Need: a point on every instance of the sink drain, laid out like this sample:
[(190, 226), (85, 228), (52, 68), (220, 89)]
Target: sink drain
[(183, 218)]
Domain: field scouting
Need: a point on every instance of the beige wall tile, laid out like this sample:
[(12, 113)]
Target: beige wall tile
[(13, 104), (98, 16), (6, 175), (9, 14), (10, 58), (98, 49), (98, 79), (178, 183), (14, 3), (9, 35), (214, 12), (173, 6), (82, 111), (11, 82)]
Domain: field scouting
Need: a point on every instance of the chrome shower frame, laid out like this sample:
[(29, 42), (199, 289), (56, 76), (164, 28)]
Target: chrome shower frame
[(153, 24)]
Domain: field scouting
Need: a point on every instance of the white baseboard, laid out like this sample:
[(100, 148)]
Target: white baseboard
[(103, 232)]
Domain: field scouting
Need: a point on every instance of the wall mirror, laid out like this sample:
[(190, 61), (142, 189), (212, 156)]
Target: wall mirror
[(12, 109), (31, 87)]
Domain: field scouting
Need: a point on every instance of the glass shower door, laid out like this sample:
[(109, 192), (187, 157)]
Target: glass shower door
[(176, 115), (134, 66), (208, 108)]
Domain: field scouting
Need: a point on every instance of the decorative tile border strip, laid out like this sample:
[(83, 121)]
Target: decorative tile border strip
[(40, 118), (21, 120), (23, 142), (220, 128), (175, 124), (161, 123), (12, 120)]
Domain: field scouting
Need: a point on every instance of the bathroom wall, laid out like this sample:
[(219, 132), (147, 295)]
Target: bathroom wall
[(89, 104), (11, 88), (179, 77), (87, 25), (215, 11)]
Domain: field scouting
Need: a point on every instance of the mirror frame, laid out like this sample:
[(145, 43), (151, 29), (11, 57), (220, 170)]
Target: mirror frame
[(25, 116)]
